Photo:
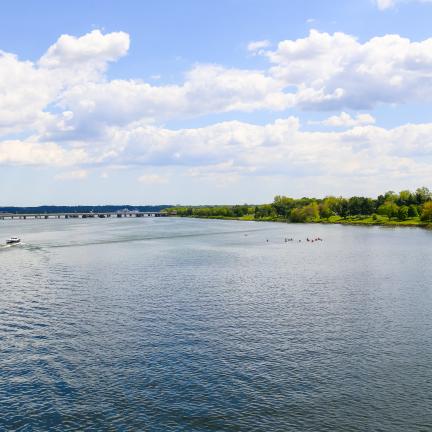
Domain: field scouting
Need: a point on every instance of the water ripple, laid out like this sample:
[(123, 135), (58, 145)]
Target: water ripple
[(189, 325)]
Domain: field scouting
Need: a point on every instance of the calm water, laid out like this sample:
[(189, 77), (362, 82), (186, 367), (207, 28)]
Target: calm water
[(192, 325)]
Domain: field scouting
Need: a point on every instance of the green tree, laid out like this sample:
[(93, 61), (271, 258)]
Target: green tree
[(406, 198), (426, 214), (240, 210), (423, 194), (339, 206), (298, 215), (403, 213), (264, 211), (283, 205), (305, 214), (389, 209), (379, 201), (391, 196), (311, 211), (413, 211), (325, 210)]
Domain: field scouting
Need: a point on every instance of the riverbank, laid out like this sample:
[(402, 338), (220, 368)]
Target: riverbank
[(351, 220), (406, 208)]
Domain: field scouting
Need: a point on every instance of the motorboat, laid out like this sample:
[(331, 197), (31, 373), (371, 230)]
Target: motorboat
[(13, 240)]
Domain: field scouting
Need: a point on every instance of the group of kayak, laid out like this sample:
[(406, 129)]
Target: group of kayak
[(307, 239), (314, 240), (299, 241)]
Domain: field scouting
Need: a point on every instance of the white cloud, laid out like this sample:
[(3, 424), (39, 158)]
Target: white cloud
[(16, 152), (280, 148), (333, 71), (385, 4), (230, 150), (68, 113), (346, 120), (207, 89), (321, 71), (94, 48), (258, 45), (218, 89), (28, 88), (25, 92)]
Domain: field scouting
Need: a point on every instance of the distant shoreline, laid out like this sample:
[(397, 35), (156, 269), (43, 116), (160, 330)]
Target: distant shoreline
[(348, 221), (406, 208), (53, 209)]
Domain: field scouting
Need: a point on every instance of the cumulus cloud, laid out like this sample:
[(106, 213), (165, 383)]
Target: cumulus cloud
[(346, 120), (233, 149), (207, 89), (28, 88), (332, 71), (283, 148), (68, 113), (66, 92), (94, 47), (319, 72), (25, 92), (30, 152), (229, 150), (257, 46)]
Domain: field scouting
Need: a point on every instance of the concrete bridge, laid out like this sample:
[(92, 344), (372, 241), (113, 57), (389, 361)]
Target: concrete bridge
[(129, 214)]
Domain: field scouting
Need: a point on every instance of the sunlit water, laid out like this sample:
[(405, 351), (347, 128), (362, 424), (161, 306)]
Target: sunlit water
[(166, 324)]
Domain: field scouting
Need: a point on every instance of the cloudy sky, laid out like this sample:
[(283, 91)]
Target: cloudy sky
[(213, 102)]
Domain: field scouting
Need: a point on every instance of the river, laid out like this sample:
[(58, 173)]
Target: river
[(169, 324)]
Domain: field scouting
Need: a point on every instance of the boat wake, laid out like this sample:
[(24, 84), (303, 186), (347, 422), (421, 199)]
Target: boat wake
[(11, 245), (147, 238)]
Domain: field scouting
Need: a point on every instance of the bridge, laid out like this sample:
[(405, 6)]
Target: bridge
[(78, 215)]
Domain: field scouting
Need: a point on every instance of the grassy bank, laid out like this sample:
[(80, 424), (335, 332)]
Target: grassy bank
[(378, 220), (350, 220)]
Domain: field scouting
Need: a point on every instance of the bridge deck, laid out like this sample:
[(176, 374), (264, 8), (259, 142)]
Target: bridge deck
[(4, 216)]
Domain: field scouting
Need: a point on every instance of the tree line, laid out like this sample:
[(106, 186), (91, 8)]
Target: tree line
[(400, 206)]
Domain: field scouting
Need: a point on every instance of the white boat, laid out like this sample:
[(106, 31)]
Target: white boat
[(13, 240)]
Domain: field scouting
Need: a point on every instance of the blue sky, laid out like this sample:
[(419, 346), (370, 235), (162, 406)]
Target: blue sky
[(212, 102)]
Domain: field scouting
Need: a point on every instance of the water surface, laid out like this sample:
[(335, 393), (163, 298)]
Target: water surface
[(166, 324)]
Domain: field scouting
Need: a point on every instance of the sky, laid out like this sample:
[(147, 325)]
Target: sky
[(202, 102)]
